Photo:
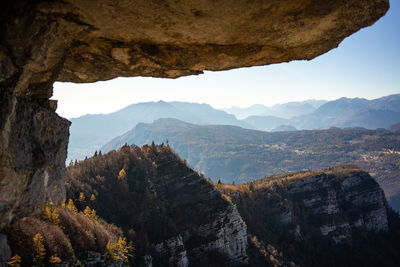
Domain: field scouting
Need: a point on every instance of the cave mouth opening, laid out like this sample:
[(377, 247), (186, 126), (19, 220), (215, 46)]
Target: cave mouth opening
[(87, 41)]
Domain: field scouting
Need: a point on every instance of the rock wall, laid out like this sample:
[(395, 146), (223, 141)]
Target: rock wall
[(329, 203), (215, 224), (231, 233), (32, 159), (338, 206), (87, 41)]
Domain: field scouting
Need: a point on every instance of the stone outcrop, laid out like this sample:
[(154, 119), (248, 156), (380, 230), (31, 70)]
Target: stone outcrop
[(333, 202), (223, 230), (32, 159), (231, 236), (86, 41), (314, 212), (339, 205)]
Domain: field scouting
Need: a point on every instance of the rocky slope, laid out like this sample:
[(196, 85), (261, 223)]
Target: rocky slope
[(309, 212), (173, 214)]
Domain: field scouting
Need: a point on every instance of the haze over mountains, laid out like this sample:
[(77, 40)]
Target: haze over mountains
[(90, 132), (234, 154), (344, 112), (286, 110)]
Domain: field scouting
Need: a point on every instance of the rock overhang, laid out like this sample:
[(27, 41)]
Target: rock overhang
[(88, 41)]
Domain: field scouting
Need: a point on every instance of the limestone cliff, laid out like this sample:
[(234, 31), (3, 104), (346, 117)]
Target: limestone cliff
[(87, 41), (329, 208), (32, 159)]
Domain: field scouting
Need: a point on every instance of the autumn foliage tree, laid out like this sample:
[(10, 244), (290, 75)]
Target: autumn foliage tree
[(71, 206), (51, 215), (15, 261), (122, 174), (39, 249)]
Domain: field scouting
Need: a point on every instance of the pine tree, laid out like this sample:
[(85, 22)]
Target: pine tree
[(81, 197), (56, 261), (39, 249), (91, 214), (71, 206), (111, 251), (122, 174), (15, 261), (124, 249), (52, 215), (87, 211)]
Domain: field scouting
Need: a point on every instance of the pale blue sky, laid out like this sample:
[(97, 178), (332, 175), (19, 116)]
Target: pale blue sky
[(366, 64)]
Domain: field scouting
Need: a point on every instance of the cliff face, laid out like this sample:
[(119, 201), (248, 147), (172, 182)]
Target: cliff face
[(32, 159), (175, 215), (304, 213), (338, 205)]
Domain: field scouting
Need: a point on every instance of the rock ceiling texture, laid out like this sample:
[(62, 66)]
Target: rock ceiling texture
[(91, 40)]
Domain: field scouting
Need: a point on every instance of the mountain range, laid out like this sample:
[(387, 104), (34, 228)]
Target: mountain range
[(343, 112), (90, 132), (285, 110), (234, 154)]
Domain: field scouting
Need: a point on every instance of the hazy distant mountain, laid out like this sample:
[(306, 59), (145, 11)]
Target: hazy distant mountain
[(289, 110), (395, 128), (236, 154), (242, 113), (89, 132), (265, 123), (284, 128), (373, 119), (286, 110), (352, 112), (390, 102)]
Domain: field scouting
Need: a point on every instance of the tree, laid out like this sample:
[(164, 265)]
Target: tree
[(56, 261), (81, 197), (15, 261), (111, 251), (71, 206), (51, 215), (91, 214), (124, 249), (39, 251), (122, 174), (219, 181)]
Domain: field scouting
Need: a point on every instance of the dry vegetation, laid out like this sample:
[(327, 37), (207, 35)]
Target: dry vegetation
[(60, 233)]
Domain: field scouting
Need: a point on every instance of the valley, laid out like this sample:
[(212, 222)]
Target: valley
[(234, 154)]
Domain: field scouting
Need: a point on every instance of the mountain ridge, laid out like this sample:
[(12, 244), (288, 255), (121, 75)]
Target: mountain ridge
[(236, 154)]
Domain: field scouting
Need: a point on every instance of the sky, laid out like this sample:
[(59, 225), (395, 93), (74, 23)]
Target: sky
[(366, 64)]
